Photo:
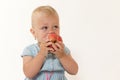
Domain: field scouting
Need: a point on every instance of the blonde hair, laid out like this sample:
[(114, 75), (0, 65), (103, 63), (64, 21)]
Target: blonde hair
[(47, 10)]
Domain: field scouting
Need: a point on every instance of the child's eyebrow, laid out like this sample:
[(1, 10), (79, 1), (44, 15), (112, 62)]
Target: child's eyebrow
[(45, 24)]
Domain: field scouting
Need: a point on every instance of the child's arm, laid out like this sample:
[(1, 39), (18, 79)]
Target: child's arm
[(67, 61), (32, 65), (69, 64)]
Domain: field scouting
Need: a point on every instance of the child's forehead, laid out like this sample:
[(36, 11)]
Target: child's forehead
[(42, 15), (42, 18)]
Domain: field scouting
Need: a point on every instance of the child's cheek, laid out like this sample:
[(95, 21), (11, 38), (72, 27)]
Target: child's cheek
[(44, 38)]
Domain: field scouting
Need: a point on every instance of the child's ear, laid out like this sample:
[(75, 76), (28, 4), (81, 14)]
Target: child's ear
[(32, 31)]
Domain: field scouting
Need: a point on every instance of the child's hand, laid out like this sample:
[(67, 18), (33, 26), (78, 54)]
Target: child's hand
[(58, 49), (44, 49)]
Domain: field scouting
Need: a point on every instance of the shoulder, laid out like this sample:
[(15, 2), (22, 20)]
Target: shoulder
[(30, 50), (32, 46)]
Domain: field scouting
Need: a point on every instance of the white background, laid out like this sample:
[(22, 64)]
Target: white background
[(90, 28)]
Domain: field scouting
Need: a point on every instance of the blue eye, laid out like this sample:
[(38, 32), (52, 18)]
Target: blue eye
[(56, 26), (44, 28)]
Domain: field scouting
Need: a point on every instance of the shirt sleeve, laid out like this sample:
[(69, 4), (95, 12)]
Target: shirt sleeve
[(67, 51), (32, 50), (27, 52)]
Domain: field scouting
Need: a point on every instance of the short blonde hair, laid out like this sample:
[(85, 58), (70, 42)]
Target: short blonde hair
[(47, 10)]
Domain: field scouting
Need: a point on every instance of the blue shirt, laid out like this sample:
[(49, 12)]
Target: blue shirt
[(51, 64)]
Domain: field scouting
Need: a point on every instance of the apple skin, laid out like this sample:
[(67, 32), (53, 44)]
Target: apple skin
[(54, 38)]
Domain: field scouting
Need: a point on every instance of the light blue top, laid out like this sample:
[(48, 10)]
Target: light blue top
[(51, 64)]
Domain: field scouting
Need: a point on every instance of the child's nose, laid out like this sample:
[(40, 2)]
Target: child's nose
[(51, 30)]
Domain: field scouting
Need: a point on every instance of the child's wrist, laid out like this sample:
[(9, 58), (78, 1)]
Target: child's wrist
[(42, 54), (62, 56)]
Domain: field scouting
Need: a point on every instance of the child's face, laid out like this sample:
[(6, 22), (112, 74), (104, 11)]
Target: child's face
[(43, 25)]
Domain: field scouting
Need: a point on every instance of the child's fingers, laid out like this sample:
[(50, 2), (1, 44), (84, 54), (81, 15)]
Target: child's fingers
[(59, 44), (55, 47), (50, 49), (48, 44)]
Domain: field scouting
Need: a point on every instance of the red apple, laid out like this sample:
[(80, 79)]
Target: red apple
[(54, 38)]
